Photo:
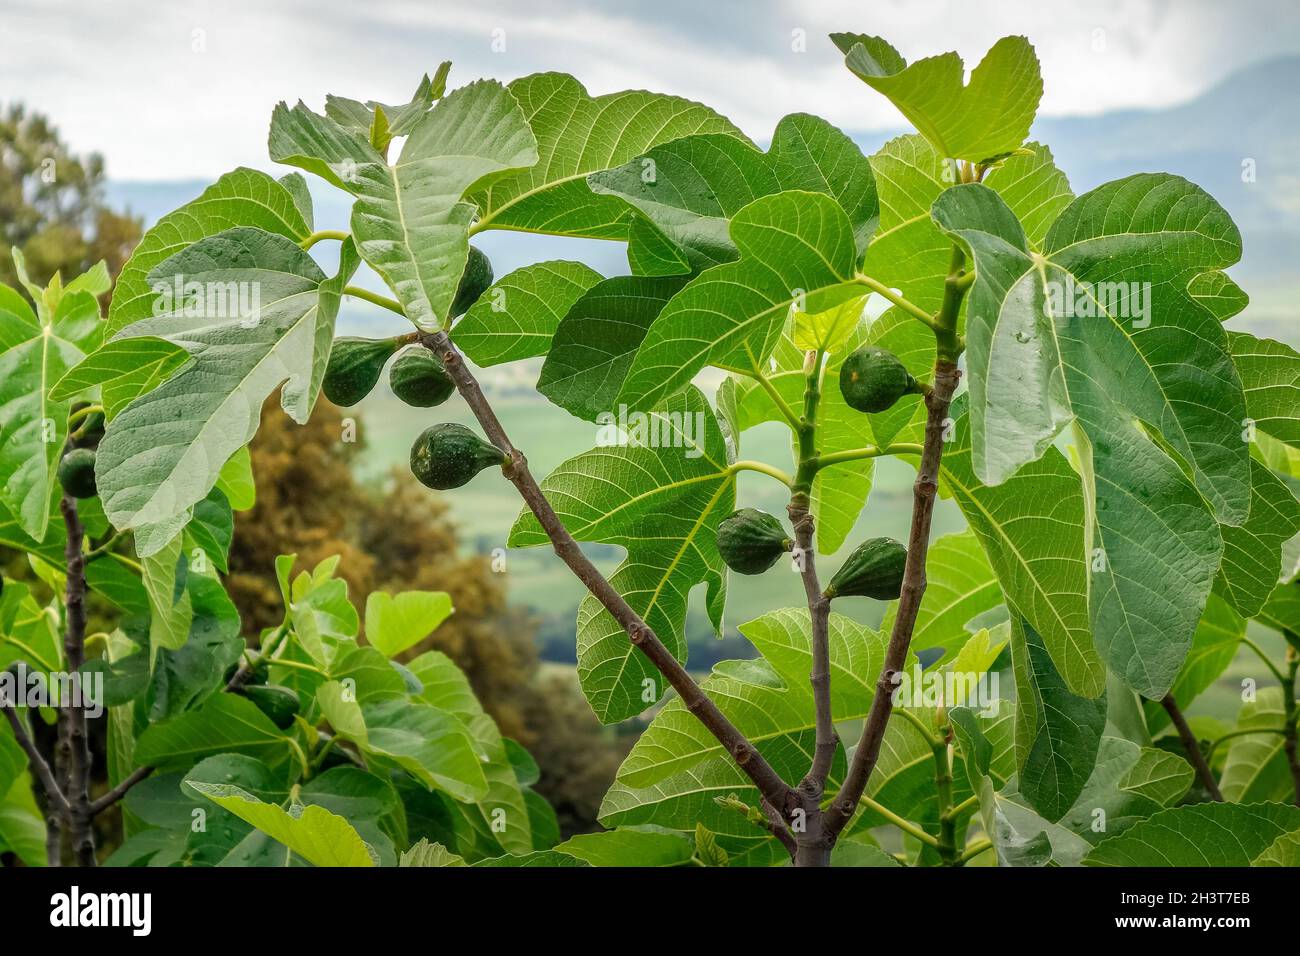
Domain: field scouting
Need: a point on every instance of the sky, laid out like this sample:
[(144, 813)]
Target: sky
[(184, 89)]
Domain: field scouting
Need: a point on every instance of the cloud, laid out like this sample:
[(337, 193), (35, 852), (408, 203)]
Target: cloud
[(185, 89)]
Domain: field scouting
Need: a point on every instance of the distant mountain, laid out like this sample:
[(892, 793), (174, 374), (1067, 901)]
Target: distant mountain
[(1253, 114)]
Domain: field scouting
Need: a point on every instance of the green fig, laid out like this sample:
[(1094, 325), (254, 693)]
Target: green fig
[(77, 473), (448, 455), (874, 570), (354, 368), (873, 379), (474, 281), (279, 703), (751, 541), (419, 379)]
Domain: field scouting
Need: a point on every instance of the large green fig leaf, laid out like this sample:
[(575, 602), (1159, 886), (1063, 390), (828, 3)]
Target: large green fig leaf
[(1057, 732), (165, 452), (225, 723), (34, 426), (314, 833), (242, 197), (1201, 834), (578, 134), (984, 120), (1031, 528), (690, 188), (597, 339), (660, 496), (677, 767), (1270, 376), (796, 253), (410, 221), (1100, 328), (517, 316)]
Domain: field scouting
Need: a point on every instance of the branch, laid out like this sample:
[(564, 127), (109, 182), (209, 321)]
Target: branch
[(813, 784), (38, 763), (746, 755), (1289, 716), (974, 850), (946, 374), (72, 725), (906, 305), (870, 451), (117, 793), (768, 818), (1192, 746)]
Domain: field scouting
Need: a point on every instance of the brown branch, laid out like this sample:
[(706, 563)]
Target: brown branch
[(40, 767), (776, 826), (773, 789), (948, 347), (1192, 746), (117, 793), (924, 490), (74, 737), (826, 741), (1289, 714)]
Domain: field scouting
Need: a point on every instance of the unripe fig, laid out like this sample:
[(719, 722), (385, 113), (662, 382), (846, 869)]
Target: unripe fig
[(448, 455), (354, 368), (279, 703), (873, 379), (474, 281), (77, 473), (750, 541), (418, 378), (874, 570)]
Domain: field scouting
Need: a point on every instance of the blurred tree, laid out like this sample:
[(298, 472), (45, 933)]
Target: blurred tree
[(52, 204), (396, 535)]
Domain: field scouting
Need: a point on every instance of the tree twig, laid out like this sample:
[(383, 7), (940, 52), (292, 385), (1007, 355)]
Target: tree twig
[(826, 741), (1192, 746), (73, 725), (773, 789), (40, 767), (117, 793), (1289, 716)]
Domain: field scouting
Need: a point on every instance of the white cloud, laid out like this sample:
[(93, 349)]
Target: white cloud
[(135, 80)]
